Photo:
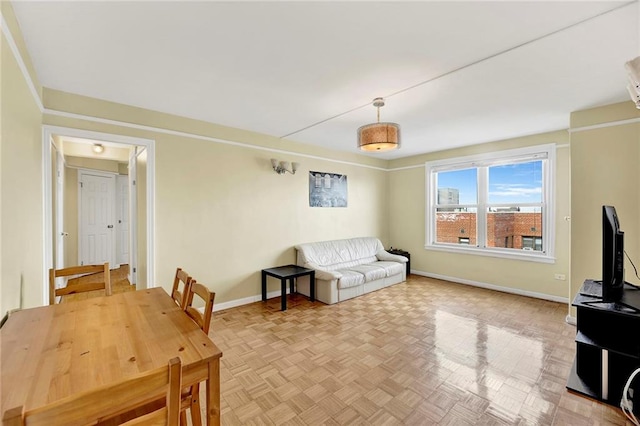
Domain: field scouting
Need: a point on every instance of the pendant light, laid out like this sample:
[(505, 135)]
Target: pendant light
[(379, 136)]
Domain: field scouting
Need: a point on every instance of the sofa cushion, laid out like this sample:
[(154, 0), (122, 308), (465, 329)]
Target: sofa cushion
[(370, 271), (339, 254), (391, 268), (351, 264), (350, 278)]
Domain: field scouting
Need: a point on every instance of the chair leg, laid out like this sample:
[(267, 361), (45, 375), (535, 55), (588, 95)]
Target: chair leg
[(183, 418), (196, 418)]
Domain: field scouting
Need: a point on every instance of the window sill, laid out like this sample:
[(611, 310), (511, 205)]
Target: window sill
[(524, 255)]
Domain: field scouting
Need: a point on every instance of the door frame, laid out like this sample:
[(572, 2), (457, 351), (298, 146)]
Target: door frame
[(149, 145), (58, 228), (118, 223), (133, 208)]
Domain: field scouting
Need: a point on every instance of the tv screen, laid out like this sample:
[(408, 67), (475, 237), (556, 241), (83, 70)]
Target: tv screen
[(612, 255)]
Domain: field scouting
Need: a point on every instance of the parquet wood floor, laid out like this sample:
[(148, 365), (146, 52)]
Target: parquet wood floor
[(423, 352), (417, 353)]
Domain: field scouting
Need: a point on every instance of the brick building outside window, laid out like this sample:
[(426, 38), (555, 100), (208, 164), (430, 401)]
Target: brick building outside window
[(519, 230)]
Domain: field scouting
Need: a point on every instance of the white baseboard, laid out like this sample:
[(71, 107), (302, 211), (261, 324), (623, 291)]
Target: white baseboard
[(245, 301), (494, 287), (251, 299)]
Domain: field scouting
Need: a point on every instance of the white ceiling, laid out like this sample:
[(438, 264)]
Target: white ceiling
[(452, 73)]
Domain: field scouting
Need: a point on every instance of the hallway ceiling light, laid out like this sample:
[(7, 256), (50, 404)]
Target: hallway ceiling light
[(98, 148), (379, 136)]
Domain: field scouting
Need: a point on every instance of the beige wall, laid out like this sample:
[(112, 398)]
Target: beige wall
[(605, 170), (222, 213), (141, 199), (407, 224), (22, 233)]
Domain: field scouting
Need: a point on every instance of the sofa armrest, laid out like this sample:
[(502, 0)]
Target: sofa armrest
[(323, 274), (385, 255)]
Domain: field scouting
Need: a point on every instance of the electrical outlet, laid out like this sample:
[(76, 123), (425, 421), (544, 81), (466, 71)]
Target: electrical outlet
[(560, 277)]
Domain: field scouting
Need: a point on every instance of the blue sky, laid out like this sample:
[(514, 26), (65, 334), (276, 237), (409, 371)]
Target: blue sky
[(512, 183)]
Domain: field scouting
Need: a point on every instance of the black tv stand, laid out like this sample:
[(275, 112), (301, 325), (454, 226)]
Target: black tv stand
[(613, 306), (630, 299), (607, 347)]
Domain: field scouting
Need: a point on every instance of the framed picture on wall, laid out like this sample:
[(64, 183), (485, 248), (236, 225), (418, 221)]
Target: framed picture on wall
[(327, 189)]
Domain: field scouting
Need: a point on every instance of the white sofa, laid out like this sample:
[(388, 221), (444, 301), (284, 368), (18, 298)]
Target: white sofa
[(348, 268)]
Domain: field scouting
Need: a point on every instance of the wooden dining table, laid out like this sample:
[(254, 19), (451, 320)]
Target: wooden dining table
[(50, 352)]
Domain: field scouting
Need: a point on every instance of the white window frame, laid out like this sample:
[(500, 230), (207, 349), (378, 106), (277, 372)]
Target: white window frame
[(545, 152)]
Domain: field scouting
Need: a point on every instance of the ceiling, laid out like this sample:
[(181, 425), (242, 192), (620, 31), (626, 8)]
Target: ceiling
[(80, 147), (452, 73)]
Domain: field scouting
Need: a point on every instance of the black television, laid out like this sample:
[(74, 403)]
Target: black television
[(612, 256)]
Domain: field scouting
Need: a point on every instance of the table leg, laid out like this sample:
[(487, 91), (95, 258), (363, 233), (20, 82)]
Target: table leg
[(196, 418), (213, 393), (291, 288), (283, 289), (312, 286), (264, 286)]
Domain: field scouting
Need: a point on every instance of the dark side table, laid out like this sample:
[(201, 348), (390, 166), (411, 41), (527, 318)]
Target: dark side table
[(405, 254), (288, 272)]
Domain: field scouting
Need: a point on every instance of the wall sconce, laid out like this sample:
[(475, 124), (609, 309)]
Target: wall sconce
[(280, 167), (633, 69), (97, 148)]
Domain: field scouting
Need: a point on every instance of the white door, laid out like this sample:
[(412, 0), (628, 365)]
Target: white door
[(97, 212), (122, 219)]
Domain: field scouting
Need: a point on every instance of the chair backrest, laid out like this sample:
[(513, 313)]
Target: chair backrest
[(87, 408), (182, 279), (79, 287), (202, 319)]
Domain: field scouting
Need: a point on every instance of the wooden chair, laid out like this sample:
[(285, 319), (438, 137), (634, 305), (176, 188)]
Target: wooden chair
[(191, 397), (79, 287), (88, 408), (178, 294), (208, 297)]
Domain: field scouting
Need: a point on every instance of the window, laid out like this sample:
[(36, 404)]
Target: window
[(532, 243), (497, 204)]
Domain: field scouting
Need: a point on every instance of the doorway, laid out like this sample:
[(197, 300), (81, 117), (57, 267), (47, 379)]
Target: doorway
[(140, 190)]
